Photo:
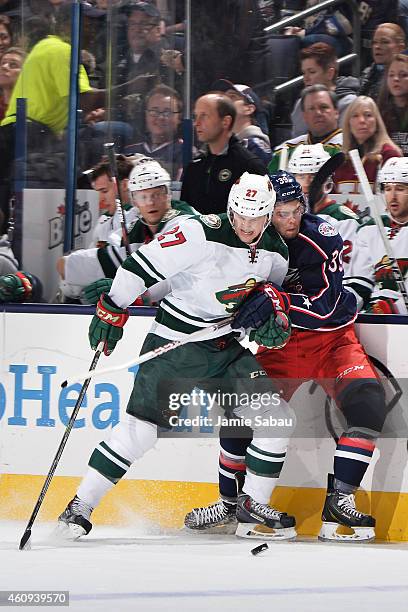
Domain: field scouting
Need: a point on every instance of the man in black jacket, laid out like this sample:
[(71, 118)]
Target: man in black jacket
[(208, 179)]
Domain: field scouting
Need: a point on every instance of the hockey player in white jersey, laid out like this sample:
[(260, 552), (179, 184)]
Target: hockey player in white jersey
[(304, 164), (217, 265), (371, 277), (153, 211)]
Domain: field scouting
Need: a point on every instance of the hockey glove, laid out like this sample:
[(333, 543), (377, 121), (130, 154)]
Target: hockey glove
[(16, 287), (262, 302), (91, 293), (273, 334), (107, 324)]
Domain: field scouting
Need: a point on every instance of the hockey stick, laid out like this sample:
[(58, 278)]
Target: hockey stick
[(110, 152), (25, 540), (328, 168), (284, 154), (202, 334), (368, 193)]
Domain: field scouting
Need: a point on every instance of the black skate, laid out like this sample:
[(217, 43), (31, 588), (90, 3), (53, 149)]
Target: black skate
[(341, 520), (215, 518), (73, 522), (257, 520)]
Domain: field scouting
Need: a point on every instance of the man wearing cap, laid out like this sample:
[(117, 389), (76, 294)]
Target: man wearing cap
[(207, 180), (250, 118)]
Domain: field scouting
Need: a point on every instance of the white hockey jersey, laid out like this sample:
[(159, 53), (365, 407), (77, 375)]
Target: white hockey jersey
[(108, 228), (210, 272), (371, 276)]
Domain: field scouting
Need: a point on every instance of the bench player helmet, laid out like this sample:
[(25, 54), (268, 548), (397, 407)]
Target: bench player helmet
[(307, 159), (395, 170), (147, 174), (286, 187)]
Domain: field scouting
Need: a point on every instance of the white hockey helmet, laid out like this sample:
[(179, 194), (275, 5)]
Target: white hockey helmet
[(395, 170), (252, 195), (307, 159), (148, 174)]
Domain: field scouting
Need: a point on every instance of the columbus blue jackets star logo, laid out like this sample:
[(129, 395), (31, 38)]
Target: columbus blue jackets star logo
[(307, 302)]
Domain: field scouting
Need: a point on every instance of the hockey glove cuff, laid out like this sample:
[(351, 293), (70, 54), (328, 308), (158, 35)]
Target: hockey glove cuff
[(92, 292), (107, 324), (384, 305)]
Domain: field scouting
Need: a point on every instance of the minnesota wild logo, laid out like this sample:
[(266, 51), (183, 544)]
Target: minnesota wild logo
[(383, 272), (234, 295)]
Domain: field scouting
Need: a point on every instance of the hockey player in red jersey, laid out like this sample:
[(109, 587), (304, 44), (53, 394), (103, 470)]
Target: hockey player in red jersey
[(323, 347)]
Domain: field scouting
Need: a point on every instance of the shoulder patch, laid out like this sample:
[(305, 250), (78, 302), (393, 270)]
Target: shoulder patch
[(224, 175), (170, 214), (347, 211), (213, 221), (325, 229)]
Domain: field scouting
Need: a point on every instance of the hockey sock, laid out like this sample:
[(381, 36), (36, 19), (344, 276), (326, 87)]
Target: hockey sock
[(264, 461), (352, 457), (231, 461), (93, 487)]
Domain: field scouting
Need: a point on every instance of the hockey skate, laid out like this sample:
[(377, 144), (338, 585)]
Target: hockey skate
[(261, 521), (342, 522), (215, 518), (74, 521)]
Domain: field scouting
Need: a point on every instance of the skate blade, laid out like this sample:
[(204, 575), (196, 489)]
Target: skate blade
[(225, 529), (70, 531), (330, 532), (261, 532)]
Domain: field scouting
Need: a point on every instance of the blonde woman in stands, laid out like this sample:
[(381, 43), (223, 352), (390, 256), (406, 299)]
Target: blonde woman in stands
[(363, 129), (393, 101)]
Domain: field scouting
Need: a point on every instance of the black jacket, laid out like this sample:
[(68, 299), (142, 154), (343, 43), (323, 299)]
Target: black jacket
[(207, 180)]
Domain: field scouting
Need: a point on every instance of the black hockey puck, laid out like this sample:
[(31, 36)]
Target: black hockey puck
[(259, 549)]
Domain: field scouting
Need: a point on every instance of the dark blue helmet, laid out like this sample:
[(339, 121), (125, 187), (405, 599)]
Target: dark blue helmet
[(286, 187)]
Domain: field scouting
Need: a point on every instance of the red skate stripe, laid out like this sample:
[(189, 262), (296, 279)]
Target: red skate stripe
[(229, 463)]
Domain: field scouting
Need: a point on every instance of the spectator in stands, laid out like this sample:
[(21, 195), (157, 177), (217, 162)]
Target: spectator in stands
[(393, 101), (246, 126), (329, 26), (6, 35), (319, 107), (388, 40), (163, 113), (364, 130), (145, 44), (319, 65), (208, 179), (11, 63)]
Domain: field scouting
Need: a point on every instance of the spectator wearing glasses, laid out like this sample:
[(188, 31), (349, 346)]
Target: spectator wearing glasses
[(163, 113), (388, 40)]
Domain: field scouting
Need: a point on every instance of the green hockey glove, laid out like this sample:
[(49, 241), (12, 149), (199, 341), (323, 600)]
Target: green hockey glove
[(273, 334), (107, 324), (16, 287), (92, 292)]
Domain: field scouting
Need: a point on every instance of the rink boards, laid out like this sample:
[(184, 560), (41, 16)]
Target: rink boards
[(40, 349)]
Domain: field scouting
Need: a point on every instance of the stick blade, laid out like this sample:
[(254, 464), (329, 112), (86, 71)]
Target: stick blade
[(328, 168), (25, 543)]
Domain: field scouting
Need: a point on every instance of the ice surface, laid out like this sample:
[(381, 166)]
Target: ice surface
[(140, 569)]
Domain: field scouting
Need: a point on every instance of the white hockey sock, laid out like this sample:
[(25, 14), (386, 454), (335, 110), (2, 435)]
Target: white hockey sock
[(93, 487), (260, 488)]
